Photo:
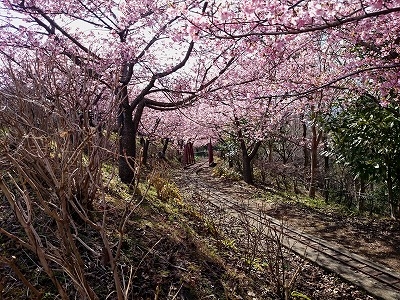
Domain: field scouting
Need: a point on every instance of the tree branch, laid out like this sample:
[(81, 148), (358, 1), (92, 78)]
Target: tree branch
[(327, 25)]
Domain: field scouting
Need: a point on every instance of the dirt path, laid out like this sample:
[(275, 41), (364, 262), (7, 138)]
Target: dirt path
[(377, 240)]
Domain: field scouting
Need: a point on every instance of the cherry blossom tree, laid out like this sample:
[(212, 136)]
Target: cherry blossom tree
[(360, 37), (321, 51), (164, 55), (140, 50), (242, 115)]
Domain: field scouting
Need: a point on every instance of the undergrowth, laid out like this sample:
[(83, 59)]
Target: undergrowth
[(172, 249)]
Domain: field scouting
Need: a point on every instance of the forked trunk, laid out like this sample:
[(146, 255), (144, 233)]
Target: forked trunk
[(128, 126), (247, 159)]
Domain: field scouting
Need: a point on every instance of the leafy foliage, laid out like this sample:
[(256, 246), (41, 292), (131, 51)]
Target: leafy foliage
[(364, 136)]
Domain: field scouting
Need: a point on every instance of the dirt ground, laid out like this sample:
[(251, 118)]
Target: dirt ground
[(376, 239), (175, 255)]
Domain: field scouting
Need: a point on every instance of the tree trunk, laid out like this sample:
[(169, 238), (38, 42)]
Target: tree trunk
[(313, 173), (165, 146), (230, 163), (270, 148), (246, 156), (284, 157), (247, 161), (210, 154), (306, 152), (127, 147), (247, 169), (361, 196), (394, 211), (128, 127), (326, 171), (316, 138), (145, 154)]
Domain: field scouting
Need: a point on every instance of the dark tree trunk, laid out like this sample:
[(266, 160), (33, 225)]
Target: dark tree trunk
[(185, 158), (246, 156), (247, 159), (270, 149), (394, 207), (247, 169), (326, 171), (361, 196), (284, 156), (316, 138), (128, 127), (145, 154), (127, 146), (313, 173), (191, 153), (165, 146), (306, 152)]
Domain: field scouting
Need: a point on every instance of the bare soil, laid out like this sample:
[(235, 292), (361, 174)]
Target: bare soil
[(375, 238), (172, 254)]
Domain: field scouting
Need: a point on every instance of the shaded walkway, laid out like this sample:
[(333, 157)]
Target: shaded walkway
[(374, 278)]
